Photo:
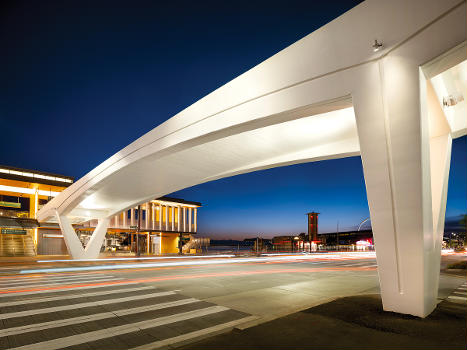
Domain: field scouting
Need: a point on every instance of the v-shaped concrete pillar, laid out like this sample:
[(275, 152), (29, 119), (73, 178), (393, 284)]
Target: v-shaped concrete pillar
[(405, 148), (75, 248)]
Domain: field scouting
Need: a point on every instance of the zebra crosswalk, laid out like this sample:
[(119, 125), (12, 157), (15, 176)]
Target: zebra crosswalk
[(95, 315), (355, 263), (459, 295)]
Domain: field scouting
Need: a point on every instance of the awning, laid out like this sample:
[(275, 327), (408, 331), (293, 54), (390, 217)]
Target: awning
[(24, 223)]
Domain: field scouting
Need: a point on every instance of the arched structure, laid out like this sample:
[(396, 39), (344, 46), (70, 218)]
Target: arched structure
[(329, 95)]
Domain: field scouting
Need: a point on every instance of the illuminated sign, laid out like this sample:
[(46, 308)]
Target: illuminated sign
[(10, 204), (13, 231)]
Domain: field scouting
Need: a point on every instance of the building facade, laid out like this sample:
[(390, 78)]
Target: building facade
[(165, 225), (22, 193)]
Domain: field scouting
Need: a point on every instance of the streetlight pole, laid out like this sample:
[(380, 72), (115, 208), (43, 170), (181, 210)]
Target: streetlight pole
[(137, 230)]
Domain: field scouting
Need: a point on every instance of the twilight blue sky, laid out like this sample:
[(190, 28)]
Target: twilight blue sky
[(79, 80)]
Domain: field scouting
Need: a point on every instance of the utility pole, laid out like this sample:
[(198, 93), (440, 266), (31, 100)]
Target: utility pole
[(137, 230)]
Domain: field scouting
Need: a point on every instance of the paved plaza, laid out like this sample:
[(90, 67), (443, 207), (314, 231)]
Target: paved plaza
[(160, 302)]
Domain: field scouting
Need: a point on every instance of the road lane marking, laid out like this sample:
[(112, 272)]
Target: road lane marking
[(48, 276), (4, 294), (119, 330), (194, 334), (142, 258), (182, 277), (167, 264), (82, 305), (47, 281), (73, 296), (57, 284), (19, 276), (95, 317)]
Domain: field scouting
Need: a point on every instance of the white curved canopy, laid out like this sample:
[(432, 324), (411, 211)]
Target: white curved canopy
[(328, 95), (250, 123)]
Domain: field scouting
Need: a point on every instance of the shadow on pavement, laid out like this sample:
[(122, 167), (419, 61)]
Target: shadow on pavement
[(356, 322)]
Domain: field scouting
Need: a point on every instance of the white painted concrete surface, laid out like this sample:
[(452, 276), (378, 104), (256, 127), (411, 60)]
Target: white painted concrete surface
[(326, 96)]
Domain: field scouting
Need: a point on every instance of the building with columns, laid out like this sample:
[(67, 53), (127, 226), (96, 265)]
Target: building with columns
[(165, 224)]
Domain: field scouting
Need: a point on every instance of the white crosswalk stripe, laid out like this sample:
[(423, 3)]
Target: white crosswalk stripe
[(359, 264), (92, 315), (119, 330), (71, 297), (191, 335), (81, 305), (58, 289), (50, 276), (61, 280), (58, 283), (459, 295), (39, 278), (47, 276)]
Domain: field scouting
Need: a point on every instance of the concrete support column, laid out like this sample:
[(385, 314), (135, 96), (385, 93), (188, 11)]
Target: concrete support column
[(394, 132), (179, 214), (148, 215), (34, 207), (153, 211), (184, 219), (94, 245), (160, 216), (125, 219), (166, 218), (189, 219), (195, 219), (172, 213), (132, 217), (74, 246)]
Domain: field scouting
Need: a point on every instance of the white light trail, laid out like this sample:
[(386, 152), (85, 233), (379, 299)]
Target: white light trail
[(201, 262), (141, 258)]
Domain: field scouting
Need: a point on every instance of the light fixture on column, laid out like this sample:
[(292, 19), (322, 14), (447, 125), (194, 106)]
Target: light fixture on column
[(377, 46), (452, 100)]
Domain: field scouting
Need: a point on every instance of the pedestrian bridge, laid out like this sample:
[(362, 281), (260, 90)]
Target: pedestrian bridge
[(329, 95)]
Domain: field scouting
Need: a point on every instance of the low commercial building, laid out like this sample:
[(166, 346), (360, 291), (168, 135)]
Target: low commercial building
[(165, 225), (347, 238), (22, 193)]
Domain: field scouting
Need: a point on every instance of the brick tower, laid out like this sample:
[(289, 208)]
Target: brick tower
[(312, 226)]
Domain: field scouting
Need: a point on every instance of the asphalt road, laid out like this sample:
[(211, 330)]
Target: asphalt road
[(154, 303)]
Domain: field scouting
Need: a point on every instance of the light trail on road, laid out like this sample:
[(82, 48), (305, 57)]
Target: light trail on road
[(140, 258), (193, 276), (288, 258)]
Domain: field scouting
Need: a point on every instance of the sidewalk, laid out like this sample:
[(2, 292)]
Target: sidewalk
[(356, 322)]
